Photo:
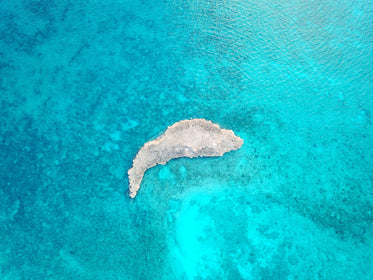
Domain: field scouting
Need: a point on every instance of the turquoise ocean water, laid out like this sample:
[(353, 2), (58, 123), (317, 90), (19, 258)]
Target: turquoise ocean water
[(84, 84)]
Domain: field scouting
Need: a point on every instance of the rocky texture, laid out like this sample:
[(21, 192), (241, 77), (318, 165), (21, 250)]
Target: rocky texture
[(187, 138)]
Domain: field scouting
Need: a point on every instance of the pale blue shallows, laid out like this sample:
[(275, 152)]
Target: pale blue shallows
[(84, 84)]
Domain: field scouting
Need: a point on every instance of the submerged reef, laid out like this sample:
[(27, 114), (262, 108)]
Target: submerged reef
[(186, 138)]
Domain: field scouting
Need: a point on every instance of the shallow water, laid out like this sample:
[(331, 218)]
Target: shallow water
[(84, 84)]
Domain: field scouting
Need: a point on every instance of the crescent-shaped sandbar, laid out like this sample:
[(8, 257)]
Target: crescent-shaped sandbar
[(187, 138)]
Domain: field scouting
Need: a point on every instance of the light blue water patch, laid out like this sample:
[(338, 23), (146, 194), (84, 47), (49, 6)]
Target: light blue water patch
[(191, 229), (84, 84)]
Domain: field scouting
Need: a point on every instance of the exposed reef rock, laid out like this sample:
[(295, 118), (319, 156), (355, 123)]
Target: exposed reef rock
[(187, 138)]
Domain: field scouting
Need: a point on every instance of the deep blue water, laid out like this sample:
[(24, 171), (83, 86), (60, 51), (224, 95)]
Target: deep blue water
[(84, 84)]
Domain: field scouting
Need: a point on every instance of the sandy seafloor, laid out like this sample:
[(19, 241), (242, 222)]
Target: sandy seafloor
[(84, 84)]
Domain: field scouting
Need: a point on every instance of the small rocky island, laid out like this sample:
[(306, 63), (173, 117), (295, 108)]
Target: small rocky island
[(187, 138)]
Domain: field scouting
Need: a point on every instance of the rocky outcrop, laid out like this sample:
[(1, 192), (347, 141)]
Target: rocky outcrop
[(187, 138)]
